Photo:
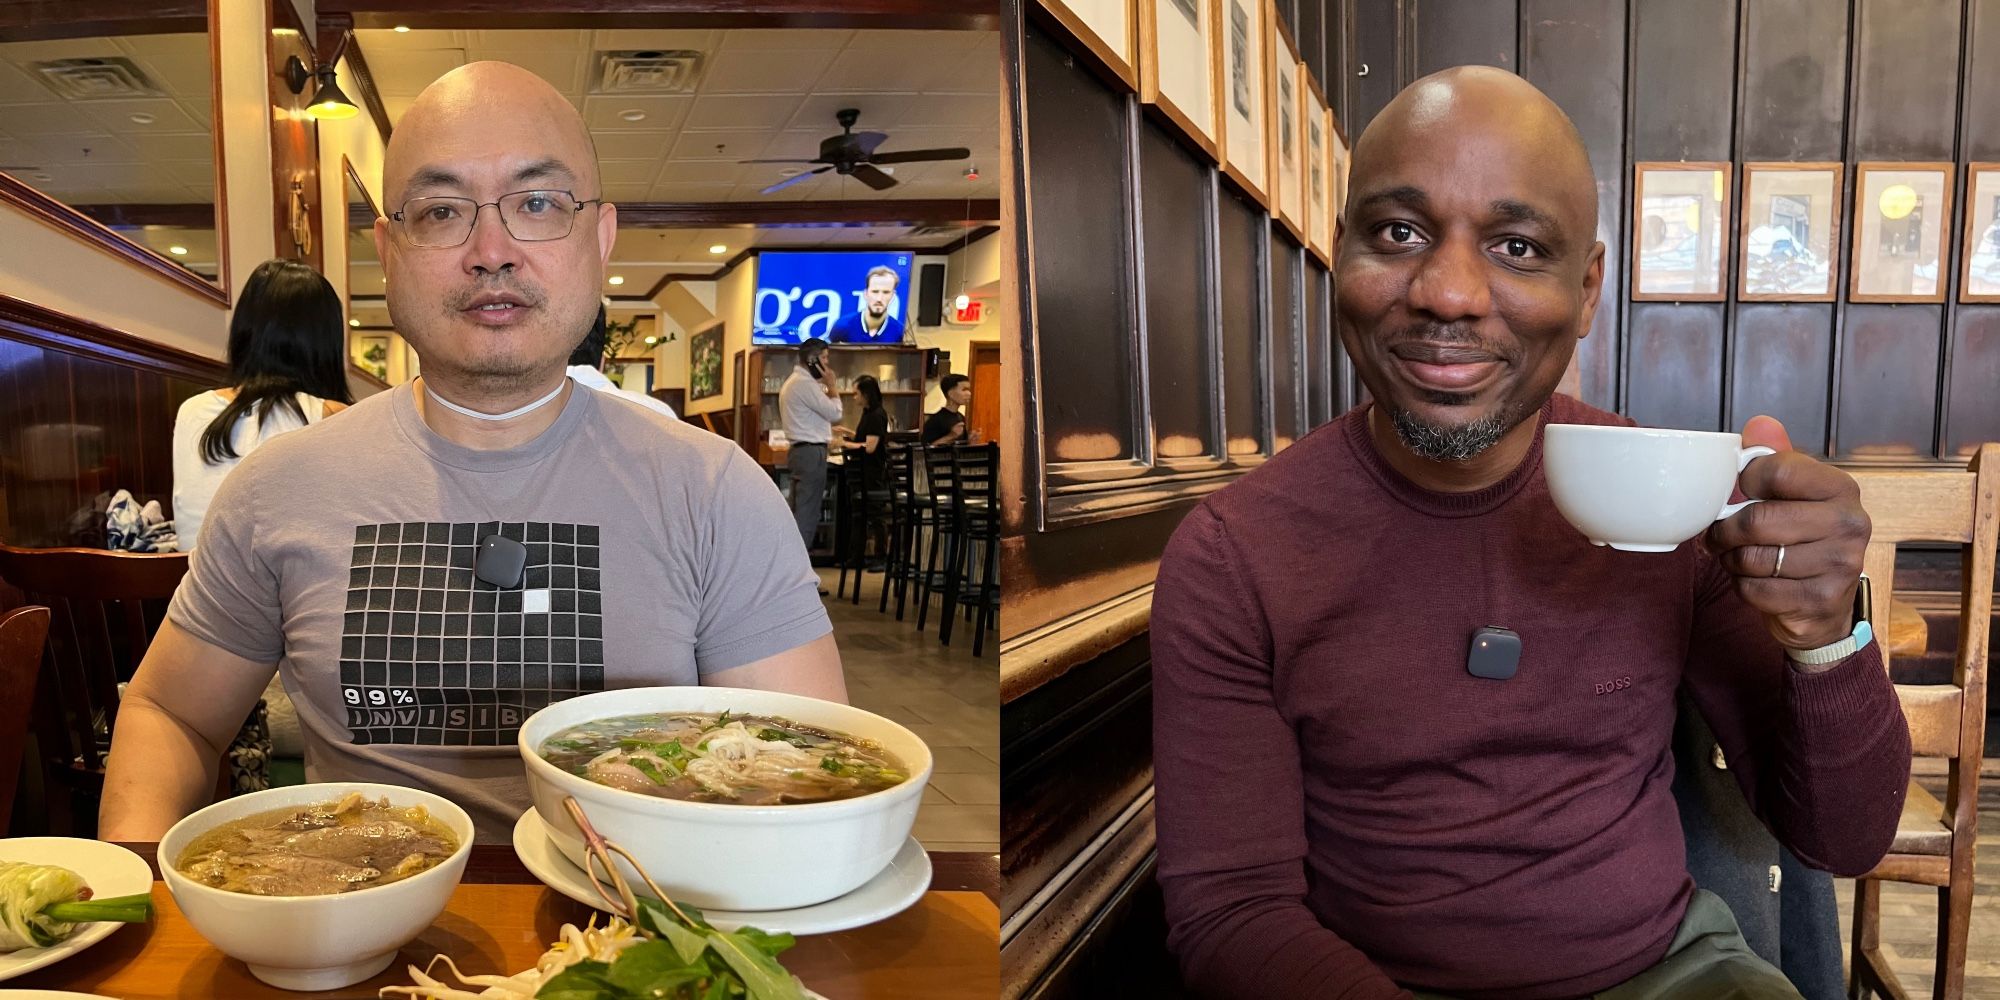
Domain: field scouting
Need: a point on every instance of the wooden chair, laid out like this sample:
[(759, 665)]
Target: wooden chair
[(1934, 841), (105, 608), (22, 632)]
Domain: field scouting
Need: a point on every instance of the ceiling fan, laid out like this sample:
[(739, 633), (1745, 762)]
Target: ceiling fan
[(853, 153)]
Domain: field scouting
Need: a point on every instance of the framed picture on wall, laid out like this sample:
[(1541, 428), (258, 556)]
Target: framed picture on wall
[(1901, 213), (371, 354), (1679, 214), (1790, 233), (1981, 280), (1288, 99), (1178, 66), (1319, 174), (1107, 28), (705, 363), (1340, 159), (1243, 82)]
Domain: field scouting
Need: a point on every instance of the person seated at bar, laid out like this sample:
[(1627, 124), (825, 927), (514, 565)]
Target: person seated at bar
[(586, 367), (867, 448), (622, 549), (947, 425), (1344, 809)]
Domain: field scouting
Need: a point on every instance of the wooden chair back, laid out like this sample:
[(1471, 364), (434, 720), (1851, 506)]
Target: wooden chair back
[(1935, 839), (104, 610), (22, 632)]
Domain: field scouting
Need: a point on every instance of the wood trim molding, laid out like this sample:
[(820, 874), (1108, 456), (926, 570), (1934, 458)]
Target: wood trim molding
[(29, 323), (949, 15), (57, 215), (1035, 937), (1041, 655), (43, 20), (908, 212)]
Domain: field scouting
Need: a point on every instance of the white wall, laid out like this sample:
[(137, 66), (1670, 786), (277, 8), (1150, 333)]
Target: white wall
[(735, 298)]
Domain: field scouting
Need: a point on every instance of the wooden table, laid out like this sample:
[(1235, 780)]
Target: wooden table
[(501, 920)]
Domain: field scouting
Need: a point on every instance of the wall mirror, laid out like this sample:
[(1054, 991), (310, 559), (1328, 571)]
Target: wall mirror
[(108, 131)]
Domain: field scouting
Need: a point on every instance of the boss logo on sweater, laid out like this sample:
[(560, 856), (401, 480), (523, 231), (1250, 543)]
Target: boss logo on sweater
[(1616, 684)]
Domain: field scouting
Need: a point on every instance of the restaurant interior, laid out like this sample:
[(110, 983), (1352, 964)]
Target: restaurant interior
[(152, 155), (1797, 201)]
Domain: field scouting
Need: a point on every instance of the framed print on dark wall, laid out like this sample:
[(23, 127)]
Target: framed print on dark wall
[(1789, 237), (1178, 66), (1245, 105), (1287, 129), (1319, 175), (1902, 212), (1340, 160), (1981, 280), (1108, 28), (1679, 214)]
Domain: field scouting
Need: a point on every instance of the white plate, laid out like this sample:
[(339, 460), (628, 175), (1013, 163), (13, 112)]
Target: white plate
[(899, 886), (108, 869)]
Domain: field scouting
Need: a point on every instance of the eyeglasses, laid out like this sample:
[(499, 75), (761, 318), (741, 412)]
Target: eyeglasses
[(529, 216)]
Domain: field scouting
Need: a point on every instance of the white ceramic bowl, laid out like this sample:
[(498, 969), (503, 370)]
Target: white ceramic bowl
[(727, 856), (315, 942)]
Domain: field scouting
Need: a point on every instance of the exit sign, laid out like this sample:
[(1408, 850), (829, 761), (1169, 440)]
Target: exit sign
[(973, 314)]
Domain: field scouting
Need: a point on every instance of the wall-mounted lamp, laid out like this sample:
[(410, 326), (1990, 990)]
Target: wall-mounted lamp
[(328, 102)]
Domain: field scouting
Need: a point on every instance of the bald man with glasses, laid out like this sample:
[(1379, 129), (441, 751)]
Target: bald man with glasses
[(462, 551)]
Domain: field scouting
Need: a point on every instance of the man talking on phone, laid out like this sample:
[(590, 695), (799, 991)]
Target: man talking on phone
[(809, 408), (1352, 800)]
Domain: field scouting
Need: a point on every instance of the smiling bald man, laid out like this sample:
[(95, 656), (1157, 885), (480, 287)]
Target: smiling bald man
[(1344, 809), (452, 555)]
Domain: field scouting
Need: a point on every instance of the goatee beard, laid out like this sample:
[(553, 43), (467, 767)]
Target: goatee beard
[(1451, 442)]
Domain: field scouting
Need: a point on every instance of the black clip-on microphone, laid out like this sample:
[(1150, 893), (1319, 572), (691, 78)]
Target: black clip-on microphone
[(502, 562), (1495, 653)]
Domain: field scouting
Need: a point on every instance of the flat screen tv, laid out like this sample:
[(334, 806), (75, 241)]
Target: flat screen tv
[(842, 298)]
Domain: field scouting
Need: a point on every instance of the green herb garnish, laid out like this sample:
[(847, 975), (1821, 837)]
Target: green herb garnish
[(832, 765), (649, 769)]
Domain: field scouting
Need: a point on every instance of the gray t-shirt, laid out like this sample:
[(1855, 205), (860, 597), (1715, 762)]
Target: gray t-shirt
[(657, 553)]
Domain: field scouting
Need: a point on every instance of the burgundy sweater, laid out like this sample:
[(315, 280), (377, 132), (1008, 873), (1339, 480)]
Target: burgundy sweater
[(1342, 807)]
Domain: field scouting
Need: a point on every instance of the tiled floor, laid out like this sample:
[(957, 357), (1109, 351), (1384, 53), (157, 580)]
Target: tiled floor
[(945, 696), (1909, 912)]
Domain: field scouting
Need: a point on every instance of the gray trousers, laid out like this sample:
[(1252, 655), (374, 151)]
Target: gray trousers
[(807, 463)]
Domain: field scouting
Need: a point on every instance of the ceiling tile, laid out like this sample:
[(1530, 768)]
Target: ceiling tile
[(768, 113), (95, 47), (622, 39), (40, 119), (628, 171), (863, 71), (410, 72), (373, 40), (198, 174), (736, 145), (177, 146), (201, 111), (795, 145), (602, 114), (626, 193), (630, 145), (949, 111), (16, 85), (183, 76), (703, 172), (116, 116), (538, 39), (912, 42), (879, 112), (760, 72), (977, 72), (562, 68), (771, 39), (82, 149)]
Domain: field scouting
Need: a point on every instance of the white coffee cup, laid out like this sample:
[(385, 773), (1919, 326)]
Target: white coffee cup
[(1643, 489)]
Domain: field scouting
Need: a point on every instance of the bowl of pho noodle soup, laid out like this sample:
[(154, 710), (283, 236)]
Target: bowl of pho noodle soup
[(316, 887), (737, 799)]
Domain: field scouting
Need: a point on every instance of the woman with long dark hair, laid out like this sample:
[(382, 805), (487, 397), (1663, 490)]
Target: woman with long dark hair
[(287, 369), (870, 445)]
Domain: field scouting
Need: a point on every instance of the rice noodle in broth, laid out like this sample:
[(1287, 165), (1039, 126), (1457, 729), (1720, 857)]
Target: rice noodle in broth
[(319, 849), (739, 759)]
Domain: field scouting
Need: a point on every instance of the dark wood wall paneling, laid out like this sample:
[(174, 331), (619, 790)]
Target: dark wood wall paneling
[(1904, 107), (1574, 50), (84, 410), (1972, 412), (1080, 225), (1176, 250), (1287, 338), (1242, 228)]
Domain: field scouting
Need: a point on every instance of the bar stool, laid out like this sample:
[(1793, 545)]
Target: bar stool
[(937, 472), (909, 515), (976, 507)]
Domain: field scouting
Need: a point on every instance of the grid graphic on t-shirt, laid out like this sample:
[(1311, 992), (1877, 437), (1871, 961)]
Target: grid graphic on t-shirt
[(432, 655)]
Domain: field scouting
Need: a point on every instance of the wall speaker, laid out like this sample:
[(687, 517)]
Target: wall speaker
[(930, 295)]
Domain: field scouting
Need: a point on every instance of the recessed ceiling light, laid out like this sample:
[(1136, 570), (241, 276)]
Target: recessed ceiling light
[(651, 341), (632, 115), (402, 29), (353, 322), (790, 172), (44, 177), (177, 250), (718, 248), (616, 279), (142, 118)]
